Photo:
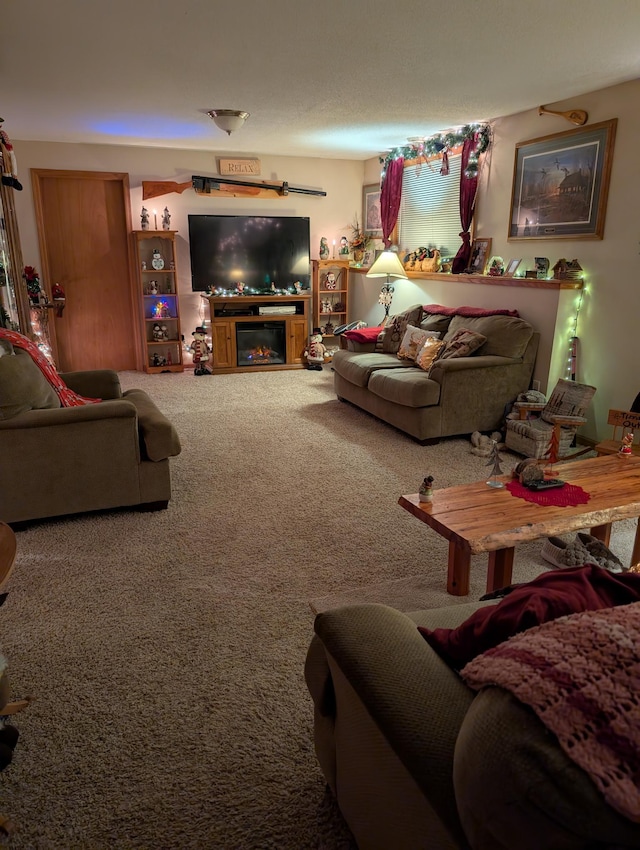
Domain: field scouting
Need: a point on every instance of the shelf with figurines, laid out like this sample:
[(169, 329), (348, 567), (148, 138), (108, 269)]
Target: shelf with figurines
[(155, 255)]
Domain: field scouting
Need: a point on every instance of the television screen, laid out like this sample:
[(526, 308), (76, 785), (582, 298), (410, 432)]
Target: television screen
[(259, 251)]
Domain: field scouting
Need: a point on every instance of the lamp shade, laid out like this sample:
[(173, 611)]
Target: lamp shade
[(228, 119), (387, 265)]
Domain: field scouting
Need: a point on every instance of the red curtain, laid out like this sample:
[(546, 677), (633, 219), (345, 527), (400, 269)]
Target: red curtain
[(390, 195), (468, 188)]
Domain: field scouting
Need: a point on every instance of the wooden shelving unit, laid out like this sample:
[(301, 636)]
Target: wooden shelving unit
[(330, 298), (155, 257)]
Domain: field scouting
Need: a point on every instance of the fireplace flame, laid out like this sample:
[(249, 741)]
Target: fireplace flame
[(262, 353)]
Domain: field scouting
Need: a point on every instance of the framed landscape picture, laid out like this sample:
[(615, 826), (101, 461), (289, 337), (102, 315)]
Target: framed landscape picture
[(371, 219), (561, 184)]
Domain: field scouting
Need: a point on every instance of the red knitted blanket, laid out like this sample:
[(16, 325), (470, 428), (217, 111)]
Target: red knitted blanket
[(68, 398), (581, 676), (467, 312)]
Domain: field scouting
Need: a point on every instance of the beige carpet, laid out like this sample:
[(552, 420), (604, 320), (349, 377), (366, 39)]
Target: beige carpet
[(166, 651)]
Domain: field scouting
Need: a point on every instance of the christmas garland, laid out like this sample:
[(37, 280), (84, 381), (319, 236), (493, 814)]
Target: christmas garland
[(442, 142)]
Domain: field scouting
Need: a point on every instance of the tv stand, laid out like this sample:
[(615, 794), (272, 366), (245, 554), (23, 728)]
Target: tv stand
[(227, 312)]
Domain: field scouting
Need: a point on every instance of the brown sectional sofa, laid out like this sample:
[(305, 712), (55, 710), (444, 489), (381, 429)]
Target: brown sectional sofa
[(458, 395)]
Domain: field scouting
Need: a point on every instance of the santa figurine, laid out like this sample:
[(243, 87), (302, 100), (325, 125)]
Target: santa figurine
[(200, 351), (626, 447), (315, 351)]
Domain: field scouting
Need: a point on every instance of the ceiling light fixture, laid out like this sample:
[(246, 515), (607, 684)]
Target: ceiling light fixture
[(228, 119)]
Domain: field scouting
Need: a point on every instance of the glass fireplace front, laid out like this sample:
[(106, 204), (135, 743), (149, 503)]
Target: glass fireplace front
[(260, 343)]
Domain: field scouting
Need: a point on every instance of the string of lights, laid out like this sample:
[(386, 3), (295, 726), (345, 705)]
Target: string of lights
[(572, 358)]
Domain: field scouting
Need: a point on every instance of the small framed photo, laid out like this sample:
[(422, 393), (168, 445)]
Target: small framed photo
[(371, 216), (368, 258), (512, 265), (480, 252)]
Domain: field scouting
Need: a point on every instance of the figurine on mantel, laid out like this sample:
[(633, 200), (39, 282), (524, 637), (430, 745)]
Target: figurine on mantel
[(344, 246), (324, 248), (425, 493), (166, 219), (144, 218)]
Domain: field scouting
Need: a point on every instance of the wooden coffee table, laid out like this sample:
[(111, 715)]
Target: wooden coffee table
[(475, 518)]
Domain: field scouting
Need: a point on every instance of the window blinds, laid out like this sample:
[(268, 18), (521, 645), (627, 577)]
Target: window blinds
[(430, 208)]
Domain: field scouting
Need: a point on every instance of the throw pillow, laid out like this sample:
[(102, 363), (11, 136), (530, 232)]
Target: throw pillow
[(429, 352), (552, 594), (391, 337), (413, 340), (463, 343), (23, 386)]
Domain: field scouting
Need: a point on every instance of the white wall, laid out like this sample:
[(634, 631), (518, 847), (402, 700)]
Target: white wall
[(330, 216), (611, 304)]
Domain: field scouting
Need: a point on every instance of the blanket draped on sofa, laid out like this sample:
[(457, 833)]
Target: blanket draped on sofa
[(68, 398), (581, 676)]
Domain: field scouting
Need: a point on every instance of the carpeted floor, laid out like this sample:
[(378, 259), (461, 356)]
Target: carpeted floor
[(165, 651)]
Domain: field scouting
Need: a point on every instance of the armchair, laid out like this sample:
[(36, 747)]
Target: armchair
[(532, 426), (57, 460)]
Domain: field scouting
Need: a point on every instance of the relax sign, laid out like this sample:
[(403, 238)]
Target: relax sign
[(238, 167)]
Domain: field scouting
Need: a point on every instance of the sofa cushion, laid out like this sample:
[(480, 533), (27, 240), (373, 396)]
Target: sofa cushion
[(409, 387), (507, 336), (435, 322), (463, 343), (428, 353), (23, 387), (357, 368), (158, 437), (413, 340), (391, 336)]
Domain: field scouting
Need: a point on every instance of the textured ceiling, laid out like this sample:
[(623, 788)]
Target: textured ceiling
[(327, 78)]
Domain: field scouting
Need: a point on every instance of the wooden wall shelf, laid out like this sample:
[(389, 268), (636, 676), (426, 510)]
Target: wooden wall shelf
[(489, 280)]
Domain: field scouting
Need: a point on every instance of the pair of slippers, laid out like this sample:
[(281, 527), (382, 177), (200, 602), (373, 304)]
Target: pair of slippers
[(585, 549)]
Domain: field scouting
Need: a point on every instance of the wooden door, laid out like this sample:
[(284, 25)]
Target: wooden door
[(83, 220)]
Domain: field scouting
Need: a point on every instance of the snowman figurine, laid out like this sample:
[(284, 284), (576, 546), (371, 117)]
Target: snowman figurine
[(157, 261), (315, 351)]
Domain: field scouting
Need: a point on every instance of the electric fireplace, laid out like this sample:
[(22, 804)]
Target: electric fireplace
[(261, 343)]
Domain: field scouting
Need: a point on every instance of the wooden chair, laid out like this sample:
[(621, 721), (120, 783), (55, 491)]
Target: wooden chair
[(623, 421)]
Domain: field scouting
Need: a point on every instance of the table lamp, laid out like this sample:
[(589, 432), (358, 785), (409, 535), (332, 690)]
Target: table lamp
[(387, 265)]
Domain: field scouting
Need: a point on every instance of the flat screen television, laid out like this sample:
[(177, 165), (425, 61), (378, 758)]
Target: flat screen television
[(259, 251)]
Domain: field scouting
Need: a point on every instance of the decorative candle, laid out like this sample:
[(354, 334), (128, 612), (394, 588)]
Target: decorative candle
[(155, 219), (334, 249)]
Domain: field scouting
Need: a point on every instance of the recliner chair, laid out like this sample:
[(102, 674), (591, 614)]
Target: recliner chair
[(58, 460)]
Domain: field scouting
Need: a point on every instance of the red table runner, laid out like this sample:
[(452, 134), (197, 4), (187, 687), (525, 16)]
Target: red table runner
[(570, 494)]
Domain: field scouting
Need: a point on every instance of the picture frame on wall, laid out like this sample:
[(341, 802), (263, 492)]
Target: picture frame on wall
[(480, 253), (561, 184), (371, 216)]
